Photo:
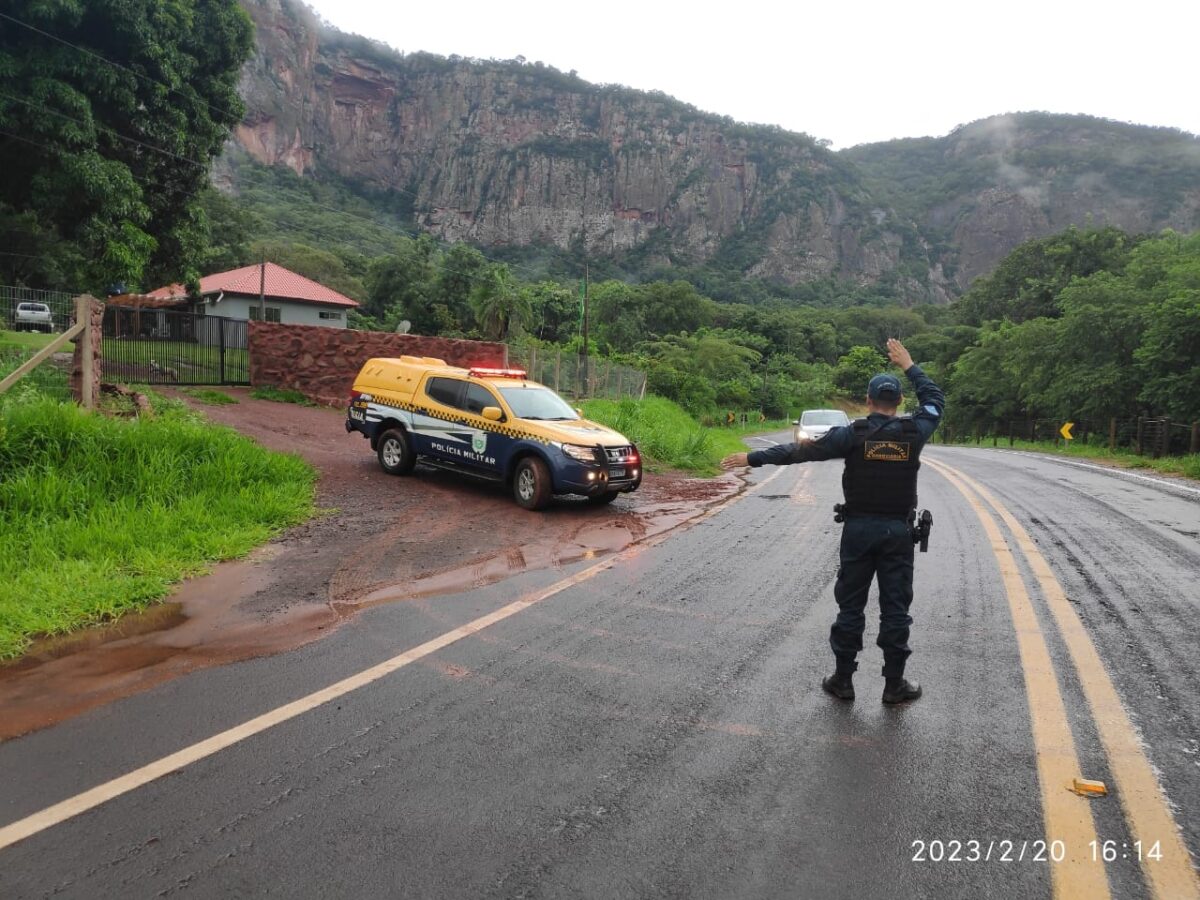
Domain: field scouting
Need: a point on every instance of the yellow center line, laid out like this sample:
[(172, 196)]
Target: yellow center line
[(1146, 809), (1068, 817), (80, 803)]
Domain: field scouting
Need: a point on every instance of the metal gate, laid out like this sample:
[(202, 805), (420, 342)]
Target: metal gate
[(163, 346)]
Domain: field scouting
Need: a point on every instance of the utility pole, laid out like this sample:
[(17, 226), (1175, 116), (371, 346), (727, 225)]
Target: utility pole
[(583, 242), (585, 328), (262, 288)]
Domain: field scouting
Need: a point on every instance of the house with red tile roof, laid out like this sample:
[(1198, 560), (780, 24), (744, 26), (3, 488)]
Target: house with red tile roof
[(289, 297)]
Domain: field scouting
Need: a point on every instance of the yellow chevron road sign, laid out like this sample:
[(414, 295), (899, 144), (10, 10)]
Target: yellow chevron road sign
[(1065, 431)]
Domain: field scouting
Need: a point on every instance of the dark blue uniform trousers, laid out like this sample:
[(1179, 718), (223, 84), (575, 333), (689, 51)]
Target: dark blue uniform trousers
[(874, 546)]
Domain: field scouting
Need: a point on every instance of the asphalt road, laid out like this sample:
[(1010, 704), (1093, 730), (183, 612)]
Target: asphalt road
[(654, 728)]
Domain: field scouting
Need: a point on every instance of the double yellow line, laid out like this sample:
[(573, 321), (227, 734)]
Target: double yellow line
[(1068, 817)]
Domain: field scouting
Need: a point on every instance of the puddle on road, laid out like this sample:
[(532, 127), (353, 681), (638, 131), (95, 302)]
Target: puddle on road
[(592, 541), (200, 626), (208, 621)]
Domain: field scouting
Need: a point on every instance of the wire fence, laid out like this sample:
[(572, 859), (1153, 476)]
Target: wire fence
[(579, 377), (1144, 435), (33, 309)]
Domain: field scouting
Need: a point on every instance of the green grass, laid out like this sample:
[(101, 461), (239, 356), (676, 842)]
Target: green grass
[(212, 398), (665, 434), (100, 516), (31, 340), (280, 395)]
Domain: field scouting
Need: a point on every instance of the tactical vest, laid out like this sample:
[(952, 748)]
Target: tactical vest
[(880, 477)]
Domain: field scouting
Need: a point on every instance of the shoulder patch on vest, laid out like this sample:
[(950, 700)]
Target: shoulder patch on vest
[(887, 451)]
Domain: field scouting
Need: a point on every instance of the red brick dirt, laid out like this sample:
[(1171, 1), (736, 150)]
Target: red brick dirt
[(378, 539)]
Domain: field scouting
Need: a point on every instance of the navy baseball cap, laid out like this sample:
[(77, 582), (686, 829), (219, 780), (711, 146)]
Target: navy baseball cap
[(884, 387)]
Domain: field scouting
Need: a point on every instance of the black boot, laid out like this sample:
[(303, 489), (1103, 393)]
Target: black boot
[(839, 684), (900, 690)]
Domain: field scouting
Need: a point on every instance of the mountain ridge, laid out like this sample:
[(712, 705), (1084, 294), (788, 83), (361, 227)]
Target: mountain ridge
[(516, 155)]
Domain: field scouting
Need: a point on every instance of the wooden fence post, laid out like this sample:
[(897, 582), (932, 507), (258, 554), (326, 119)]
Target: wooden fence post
[(557, 368), (1194, 447), (1164, 441), (87, 359), (995, 432), (1141, 431), (1112, 434)]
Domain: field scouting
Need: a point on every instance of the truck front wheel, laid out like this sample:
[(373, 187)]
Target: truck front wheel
[(531, 483)]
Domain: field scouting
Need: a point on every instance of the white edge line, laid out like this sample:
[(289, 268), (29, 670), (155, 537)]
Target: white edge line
[(1108, 470)]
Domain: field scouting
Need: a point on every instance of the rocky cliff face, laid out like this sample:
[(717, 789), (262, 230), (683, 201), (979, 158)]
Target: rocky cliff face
[(511, 154)]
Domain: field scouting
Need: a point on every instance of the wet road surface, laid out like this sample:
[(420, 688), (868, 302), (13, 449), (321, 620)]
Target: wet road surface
[(654, 727)]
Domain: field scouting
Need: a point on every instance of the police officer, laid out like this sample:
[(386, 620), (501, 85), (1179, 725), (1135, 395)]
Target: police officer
[(882, 454)]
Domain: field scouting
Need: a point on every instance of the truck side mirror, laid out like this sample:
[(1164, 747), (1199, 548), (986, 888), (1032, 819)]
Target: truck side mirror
[(492, 413)]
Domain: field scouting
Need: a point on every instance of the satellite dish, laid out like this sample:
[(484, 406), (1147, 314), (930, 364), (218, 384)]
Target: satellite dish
[(403, 327)]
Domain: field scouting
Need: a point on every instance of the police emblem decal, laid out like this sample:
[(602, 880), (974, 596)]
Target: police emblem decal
[(887, 451), (479, 441)]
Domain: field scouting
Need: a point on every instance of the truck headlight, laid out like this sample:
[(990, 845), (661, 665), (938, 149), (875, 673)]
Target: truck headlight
[(577, 452)]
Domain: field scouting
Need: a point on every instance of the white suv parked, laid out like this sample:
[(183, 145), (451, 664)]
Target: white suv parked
[(33, 316)]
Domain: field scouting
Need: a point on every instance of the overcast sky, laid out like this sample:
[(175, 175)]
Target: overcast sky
[(850, 72)]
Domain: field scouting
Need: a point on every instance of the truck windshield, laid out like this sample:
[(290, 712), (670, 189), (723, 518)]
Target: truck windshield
[(536, 403)]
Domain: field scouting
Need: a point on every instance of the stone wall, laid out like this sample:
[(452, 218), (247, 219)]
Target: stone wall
[(321, 362), (77, 386)]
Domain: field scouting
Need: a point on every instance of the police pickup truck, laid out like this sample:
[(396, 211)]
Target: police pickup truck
[(489, 423)]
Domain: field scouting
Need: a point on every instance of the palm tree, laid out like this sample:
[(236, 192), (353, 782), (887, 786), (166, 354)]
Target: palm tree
[(501, 305)]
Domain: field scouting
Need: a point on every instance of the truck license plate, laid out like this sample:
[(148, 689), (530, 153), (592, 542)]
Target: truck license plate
[(616, 473)]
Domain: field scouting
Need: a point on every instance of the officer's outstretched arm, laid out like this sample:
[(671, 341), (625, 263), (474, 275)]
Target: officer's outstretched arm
[(834, 444)]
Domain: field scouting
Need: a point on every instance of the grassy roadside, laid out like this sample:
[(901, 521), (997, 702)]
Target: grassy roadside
[(100, 516), (1188, 466), (667, 436), (280, 395)]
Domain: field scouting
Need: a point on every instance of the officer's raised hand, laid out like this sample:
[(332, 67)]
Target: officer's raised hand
[(735, 461), (898, 355)]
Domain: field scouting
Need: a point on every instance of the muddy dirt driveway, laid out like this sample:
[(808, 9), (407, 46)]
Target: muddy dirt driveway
[(377, 539)]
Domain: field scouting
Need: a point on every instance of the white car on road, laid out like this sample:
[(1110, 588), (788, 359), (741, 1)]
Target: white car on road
[(813, 423)]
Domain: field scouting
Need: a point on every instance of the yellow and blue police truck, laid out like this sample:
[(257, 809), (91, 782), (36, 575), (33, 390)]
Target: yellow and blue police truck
[(489, 423)]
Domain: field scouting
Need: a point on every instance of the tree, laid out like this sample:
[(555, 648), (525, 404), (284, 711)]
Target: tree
[(555, 311), (1168, 360), (1027, 282), (501, 304), (400, 286), (857, 368), (112, 158), (459, 270)]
